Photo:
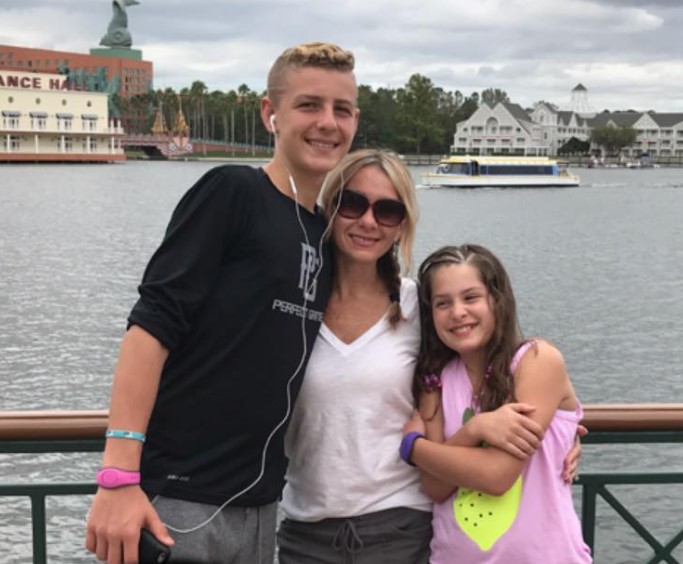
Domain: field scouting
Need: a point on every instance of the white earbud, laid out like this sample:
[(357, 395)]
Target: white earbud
[(272, 124)]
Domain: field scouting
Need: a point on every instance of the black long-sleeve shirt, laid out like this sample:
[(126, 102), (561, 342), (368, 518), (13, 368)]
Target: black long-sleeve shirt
[(224, 293)]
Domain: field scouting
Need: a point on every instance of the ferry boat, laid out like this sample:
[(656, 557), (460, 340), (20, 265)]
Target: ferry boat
[(473, 171)]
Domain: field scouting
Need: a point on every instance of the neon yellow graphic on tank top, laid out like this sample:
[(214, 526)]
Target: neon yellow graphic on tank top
[(482, 517), (485, 518)]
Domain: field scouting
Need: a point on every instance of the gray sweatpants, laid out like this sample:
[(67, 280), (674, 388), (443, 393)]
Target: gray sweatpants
[(237, 535), (392, 536)]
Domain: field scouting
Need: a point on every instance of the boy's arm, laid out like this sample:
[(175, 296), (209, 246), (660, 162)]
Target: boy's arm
[(117, 515)]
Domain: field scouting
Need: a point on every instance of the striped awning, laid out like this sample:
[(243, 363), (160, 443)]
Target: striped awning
[(11, 113), (38, 114), (89, 116), (64, 116)]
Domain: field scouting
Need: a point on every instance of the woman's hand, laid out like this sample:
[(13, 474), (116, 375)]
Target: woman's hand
[(570, 470), (510, 429)]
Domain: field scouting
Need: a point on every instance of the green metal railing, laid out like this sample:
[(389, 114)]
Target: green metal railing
[(630, 424), (46, 432)]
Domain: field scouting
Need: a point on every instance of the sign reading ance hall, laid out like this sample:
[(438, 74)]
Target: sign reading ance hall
[(29, 81)]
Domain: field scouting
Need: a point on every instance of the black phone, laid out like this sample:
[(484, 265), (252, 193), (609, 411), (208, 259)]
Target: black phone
[(151, 550)]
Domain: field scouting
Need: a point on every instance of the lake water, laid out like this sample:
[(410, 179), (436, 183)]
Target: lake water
[(597, 269)]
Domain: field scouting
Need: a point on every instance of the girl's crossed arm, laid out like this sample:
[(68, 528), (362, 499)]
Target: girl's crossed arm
[(541, 380)]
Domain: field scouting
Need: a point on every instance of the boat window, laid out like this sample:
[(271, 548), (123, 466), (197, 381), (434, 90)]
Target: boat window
[(453, 168), (514, 170)]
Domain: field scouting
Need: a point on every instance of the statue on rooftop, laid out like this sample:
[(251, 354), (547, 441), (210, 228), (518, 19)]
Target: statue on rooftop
[(117, 32)]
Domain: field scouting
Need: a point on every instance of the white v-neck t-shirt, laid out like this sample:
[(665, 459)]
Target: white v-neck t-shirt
[(346, 427)]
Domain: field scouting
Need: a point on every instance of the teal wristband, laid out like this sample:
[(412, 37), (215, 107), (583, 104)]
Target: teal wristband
[(119, 434)]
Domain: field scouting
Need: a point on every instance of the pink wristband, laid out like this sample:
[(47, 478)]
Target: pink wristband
[(111, 478)]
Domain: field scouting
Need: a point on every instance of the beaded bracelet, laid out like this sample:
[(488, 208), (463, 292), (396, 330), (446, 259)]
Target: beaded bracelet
[(119, 434)]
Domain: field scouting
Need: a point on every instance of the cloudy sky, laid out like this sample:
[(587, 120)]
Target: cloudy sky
[(628, 53)]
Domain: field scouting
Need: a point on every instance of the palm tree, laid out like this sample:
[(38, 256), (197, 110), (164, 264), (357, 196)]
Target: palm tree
[(196, 102), (231, 102), (242, 98)]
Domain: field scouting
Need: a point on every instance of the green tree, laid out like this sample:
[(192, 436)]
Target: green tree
[(613, 139), (196, 108), (492, 96), (468, 107), (449, 106), (243, 100), (214, 108), (168, 100), (231, 102), (377, 126), (574, 147), (418, 117)]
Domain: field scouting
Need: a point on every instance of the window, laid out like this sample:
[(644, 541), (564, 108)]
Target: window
[(68, 145), (38, 120), (89, 122), (10, 119), (64, 122), (514, 170), (491, 126), (10, 144)]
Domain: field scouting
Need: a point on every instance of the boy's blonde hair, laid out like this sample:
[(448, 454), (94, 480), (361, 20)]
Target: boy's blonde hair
[(317, 55)]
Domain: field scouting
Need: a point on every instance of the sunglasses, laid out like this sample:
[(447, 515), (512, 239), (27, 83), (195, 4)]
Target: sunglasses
[(387, 212)]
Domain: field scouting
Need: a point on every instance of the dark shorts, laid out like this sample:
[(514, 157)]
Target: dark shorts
[(392, 536)]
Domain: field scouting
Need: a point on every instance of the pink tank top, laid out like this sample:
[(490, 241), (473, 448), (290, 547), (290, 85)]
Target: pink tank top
[(534, 521)]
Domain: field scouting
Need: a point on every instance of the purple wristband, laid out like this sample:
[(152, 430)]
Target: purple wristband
[(407, 444)]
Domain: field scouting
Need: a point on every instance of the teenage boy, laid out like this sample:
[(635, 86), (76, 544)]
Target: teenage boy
[(229, 308)]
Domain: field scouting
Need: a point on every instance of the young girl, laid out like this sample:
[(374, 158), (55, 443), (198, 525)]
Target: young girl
[(489, 506)]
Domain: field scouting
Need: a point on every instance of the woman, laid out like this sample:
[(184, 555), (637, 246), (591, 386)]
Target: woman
[(348, 496)]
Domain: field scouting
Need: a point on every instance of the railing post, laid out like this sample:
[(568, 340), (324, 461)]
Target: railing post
[(589, 495), (39, 529)]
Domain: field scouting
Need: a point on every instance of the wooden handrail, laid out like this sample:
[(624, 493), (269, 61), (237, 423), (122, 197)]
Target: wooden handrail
[(634, 417), (52, 425), (67, 425)]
